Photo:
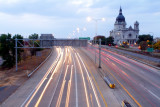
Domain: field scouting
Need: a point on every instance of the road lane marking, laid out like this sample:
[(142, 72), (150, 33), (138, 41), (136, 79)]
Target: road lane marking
[(60, 94), (69, 88), (150, 92), (44, 90), (75, 81), (33, 93), (93, 88), (62, 89), (83, 82), (56, 84), (91, 99), (125, 90)]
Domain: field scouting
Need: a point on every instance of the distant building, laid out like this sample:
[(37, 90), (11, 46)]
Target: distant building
[(46, 42), (122, 34), (157, 39)]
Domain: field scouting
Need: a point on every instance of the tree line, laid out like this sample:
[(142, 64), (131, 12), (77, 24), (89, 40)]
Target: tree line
[(7, 48)]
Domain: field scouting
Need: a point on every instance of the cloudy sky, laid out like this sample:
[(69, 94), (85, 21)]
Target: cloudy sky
[(63, 17)]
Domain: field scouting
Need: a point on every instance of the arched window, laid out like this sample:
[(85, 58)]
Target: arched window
[(129, 35)]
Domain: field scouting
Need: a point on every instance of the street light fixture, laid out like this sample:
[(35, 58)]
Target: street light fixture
[(96, 28)]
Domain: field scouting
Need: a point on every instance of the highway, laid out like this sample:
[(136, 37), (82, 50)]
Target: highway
[(135, 82), (70, 78), (67, 82)]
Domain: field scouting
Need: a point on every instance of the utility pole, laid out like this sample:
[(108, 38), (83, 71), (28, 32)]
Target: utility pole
[(99, 53), (95, 51), (16, 54)]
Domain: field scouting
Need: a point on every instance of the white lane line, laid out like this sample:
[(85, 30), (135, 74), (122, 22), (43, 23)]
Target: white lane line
[(85, 89), (150, 92), (32, 94), (93, 88), (75, 81), (69, 88), (46, 86), (56, 84), (62, 89)]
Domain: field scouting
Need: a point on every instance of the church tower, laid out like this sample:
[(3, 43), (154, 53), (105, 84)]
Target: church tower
[(120, 21), (136, 25)]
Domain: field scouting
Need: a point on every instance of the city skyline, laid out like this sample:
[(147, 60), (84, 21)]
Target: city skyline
[(62, 18)]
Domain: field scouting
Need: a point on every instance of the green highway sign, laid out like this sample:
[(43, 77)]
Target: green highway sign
[(84, 38), (149, 49)]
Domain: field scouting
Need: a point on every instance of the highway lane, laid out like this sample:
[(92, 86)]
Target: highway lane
[(68, 84), (140, 81)]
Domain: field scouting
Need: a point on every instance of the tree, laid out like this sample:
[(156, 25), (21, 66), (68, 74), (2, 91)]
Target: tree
[(96, 38), (157, 45), (35, 42), (33, 36), (145, 38), (109, 41), (143, 45), (7, 49)]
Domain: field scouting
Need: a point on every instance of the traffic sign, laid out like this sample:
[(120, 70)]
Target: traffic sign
[(149, 49), (84, 38)]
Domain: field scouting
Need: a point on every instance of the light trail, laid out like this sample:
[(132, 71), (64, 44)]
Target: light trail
[(62, 89), (75, 80), (69, 88), (93, 88), (33, 93), (121, 84), (57, 83), (86, 93), (44, 90)]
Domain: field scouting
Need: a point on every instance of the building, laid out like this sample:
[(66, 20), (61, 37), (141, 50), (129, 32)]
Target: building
[(46, 42), (156, 39), (122, 34)]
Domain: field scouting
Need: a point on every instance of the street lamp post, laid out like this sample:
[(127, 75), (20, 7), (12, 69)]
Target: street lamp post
[(152, 40), (99, 53), (96, 28)]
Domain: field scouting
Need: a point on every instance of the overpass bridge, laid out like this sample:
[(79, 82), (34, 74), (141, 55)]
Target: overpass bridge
[(63, 42), (47, 43)]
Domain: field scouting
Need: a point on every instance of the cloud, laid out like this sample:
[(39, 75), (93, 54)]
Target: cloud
[(63, 16)]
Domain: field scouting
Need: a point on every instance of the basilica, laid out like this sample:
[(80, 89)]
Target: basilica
[(121, 33)]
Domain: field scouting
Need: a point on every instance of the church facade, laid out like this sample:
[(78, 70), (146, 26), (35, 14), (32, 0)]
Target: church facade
[(121, 33)]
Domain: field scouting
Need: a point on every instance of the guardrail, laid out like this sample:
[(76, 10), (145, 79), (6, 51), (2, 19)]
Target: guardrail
[(40, 64), (109, 82)]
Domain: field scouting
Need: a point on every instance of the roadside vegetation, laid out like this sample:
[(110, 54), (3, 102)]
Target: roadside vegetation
[(28, 60)]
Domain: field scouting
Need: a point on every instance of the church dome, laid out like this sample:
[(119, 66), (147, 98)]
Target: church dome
[(120, 17)]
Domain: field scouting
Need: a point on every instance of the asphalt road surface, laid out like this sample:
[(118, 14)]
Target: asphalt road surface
[(138, 83), (67, 82), (67, 85)]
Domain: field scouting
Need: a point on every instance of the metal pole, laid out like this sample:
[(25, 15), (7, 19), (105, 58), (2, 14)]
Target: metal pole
[(95, 37), (95, 51), (99, 53), (16, 54)]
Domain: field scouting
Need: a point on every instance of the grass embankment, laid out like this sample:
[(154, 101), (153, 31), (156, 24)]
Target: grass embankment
[(13, 77)]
